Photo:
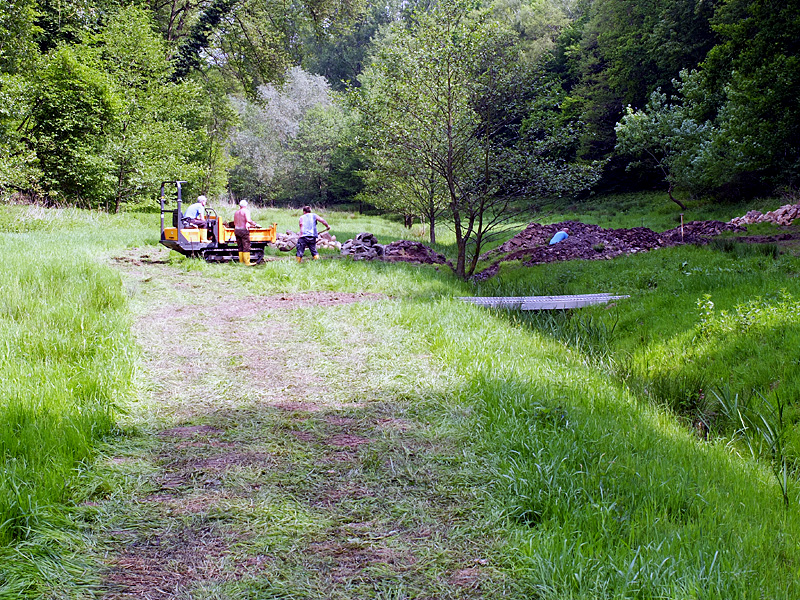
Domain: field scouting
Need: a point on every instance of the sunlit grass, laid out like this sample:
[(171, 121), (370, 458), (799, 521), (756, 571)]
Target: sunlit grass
[(747, 342), (607, 497), (333, 274), (592, 487), (65, 364)]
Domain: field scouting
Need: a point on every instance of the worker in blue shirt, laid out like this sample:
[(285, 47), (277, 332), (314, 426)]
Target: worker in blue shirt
[(308, 233), (560, 236), (195, 215)]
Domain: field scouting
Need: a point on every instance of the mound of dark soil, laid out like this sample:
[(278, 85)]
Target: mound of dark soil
[(592, 242)]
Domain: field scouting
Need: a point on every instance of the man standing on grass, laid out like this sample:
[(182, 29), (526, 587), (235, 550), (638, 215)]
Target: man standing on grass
[(241, 229), (308, 233)]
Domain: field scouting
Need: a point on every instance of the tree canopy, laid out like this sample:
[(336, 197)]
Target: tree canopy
[(101, 99)]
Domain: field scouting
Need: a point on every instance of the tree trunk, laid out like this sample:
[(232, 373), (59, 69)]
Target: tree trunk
[(118, 199), (431, 210), (673, 198)]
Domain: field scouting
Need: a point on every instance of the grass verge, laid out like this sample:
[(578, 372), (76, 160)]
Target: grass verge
[(66, 366), (494, 456), (606, 497)]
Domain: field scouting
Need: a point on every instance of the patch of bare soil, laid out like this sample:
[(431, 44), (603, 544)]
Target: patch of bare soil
[(164, 565), (330, 496), (346, 440), (295, 407), (249, 306), (592, 242), (136, 257), (184, 432), (779, 238), (347, 560), (246, 419)]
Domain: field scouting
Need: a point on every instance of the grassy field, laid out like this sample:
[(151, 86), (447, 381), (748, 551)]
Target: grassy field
[(590, 454)]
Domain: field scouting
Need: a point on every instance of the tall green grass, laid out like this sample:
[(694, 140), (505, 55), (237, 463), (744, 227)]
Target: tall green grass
[(64, 365), (604, 496), (697, 318)]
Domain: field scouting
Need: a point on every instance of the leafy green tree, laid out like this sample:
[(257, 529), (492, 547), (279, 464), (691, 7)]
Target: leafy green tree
[(17, 35), (441, 95), (538, 23), (347, 163), (261, 142), (340, 56), (19, 166), (670, 139), (400, 178), (101, 123), (321, 132), (253, 41), (734, 121), (149, 140), (189, 52), (18, 54), (60, 22), (416, 102), (69, 107), (210, 120), (406, 188)]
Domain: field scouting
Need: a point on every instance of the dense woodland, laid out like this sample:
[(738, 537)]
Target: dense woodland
[(455, 108)]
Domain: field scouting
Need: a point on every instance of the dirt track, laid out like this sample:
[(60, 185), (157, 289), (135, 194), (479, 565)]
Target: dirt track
[(273, 465)]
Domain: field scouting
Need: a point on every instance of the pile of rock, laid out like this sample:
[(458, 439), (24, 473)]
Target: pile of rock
[(365, 246), (288, 241), (784, 215), (412, 252), (328, 241)]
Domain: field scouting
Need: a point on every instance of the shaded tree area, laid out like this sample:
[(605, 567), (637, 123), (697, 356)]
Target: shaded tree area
[(749, 85), (340, 58), (100, 100), (617, 52), (727, 71), (731, 126)]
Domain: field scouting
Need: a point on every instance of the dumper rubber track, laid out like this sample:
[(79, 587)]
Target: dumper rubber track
[(218, 255)]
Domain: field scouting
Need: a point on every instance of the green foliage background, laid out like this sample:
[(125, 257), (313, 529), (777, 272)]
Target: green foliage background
[(100, 100)]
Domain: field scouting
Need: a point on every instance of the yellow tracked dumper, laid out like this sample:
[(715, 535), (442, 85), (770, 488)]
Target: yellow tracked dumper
[(216, 241)]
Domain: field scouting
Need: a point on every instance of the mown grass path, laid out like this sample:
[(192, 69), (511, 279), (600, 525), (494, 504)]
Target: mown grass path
[(283, 450)]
